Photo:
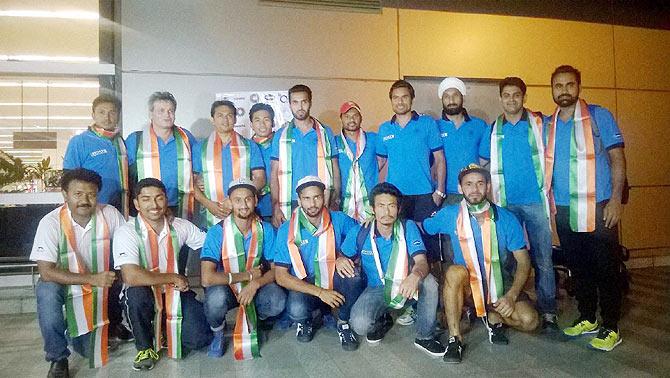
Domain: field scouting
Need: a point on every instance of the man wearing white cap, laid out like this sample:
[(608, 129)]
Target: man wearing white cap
[(359, 170), (305, 252), (462, 135), (235, 265)]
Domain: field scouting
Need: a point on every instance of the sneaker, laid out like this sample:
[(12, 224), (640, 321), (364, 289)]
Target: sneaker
[(145, 359), (59, 369), (121, 333), (381, 327), (408, 317), (497, 334), (432, 347), (216, 347), (550, 325), (606, 340), (304, 331), (580, 327), (454, 352), (347, 337)]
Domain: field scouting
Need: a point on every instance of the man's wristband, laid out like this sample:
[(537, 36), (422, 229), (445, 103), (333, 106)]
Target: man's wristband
[(439, 193), (230, 278)]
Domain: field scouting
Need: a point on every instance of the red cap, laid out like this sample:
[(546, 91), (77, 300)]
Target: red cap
[(348, 106)]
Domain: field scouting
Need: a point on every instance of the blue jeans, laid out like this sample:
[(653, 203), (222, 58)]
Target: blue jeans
[(139, 303), (539, 235), (301, 305), (270, 300), (370, 306)]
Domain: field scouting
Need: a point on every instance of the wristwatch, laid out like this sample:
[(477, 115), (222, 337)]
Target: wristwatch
[(440, 194)]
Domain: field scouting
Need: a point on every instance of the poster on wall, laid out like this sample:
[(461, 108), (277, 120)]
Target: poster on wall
[(245, 100)]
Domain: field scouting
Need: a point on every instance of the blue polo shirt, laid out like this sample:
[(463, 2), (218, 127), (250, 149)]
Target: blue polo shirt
[(211, 250), (87, 150), (508, 229), (264, 207), (341, 226), (255, 157), (408, 150), (413, 240), (518, 169), (303, 153), (367, 162), (462, 145), (168, 161), (610, 137)]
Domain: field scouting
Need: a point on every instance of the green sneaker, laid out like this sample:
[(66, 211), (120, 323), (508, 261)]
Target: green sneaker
[(606, 340), (581, 327), (145, 359)]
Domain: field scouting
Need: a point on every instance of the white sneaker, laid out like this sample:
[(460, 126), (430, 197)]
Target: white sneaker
[(408, 317)]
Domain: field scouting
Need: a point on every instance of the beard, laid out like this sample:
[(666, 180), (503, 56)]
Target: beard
[(301, 115), (566, 100), (453, 109), (477, 200)]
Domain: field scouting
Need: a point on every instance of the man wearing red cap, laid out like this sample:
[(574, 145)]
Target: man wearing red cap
[(358, 163)]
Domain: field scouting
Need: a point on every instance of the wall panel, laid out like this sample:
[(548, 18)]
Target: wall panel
[(642, 57)]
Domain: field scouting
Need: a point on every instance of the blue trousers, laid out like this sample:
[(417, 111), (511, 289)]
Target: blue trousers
[(301, 305), (270, 300)]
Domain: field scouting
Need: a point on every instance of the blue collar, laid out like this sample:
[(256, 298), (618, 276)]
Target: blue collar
[(465, 115), (415, 116)]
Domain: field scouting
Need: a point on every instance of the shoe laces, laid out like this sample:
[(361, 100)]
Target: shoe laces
[(345, 333), (604, 333), (147, 353)]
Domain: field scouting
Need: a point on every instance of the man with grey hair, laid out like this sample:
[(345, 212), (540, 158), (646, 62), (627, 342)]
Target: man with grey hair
[(163, 150)]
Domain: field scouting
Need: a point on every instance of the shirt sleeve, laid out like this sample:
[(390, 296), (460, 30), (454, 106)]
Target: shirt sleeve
[(45, 245), (256, 156), (609, 130), (114, 218), (269, 237), (196, 160), (126, 247), (434, 139), (131, 147), (72, 159), (514, 236), (349, 247), (381, 147), (211, 250), (195, 237), (485, 144), (413, 239), (281, 254), (433, 225)]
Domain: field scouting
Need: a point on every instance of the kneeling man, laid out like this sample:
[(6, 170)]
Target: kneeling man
[(483, 236)]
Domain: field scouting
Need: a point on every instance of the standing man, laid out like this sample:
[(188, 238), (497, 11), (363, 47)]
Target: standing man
[(262, 118), (72, 251), (586, 168), (387, 248), (406, 144), (518, 184), (483, 236), (102, 150), (463, 136), (222, 157), (235, 265), (358, 163), (305, 252), (302, 148), (147, 249), (163, 151)]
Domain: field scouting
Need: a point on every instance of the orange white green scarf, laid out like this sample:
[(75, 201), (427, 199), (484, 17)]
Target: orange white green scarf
[(236, 260), (397, 268), (148, 165), (285, 175), (582, 167), (122, 163), (356, 203), (535, 141), (150, 260), (86, 305), (212, 167), (324, 259), (493, 271)]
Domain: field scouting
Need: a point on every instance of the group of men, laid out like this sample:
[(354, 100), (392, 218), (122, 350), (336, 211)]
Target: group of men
[(302, 224)]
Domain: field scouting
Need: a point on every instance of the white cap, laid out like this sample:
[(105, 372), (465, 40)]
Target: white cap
[(241, 182), (309, 181), (451, 82)]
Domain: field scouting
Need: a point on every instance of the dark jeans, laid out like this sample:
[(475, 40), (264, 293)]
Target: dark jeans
[(50, 301), (417, 208), (139, 302), (595, 261), (301, 305), (270, 300)]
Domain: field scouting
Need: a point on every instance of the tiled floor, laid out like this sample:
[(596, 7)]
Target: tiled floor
[(644, 352)]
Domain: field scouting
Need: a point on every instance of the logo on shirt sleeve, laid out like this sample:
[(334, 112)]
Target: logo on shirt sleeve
[(388, 137), (416, 242), (366, 252)]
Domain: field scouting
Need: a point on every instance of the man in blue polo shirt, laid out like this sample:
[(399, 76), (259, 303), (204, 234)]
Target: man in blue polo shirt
[(305, 252), (358, 163), (406, 144), (483, 237), (387, 248), (163, 150), (517, 181), (102, 150), (587, 214), (463, 136), (222, 157), (219, 278), (302, 148), (262, 118)]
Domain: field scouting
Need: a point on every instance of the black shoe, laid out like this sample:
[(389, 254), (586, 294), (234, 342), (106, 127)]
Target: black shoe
[(381, 327), (550, 325), (347, 337), (497, 334), (59, 369), (304, 331), (454, 353), (121, 333), (432, 347)]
